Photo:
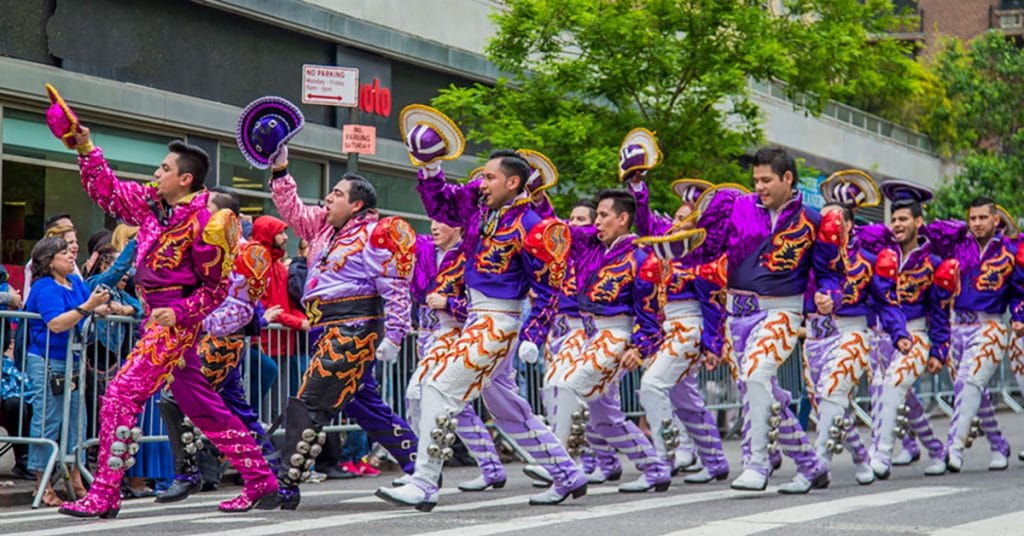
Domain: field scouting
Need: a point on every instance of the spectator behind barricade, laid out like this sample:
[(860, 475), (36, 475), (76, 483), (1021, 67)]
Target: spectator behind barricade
[(270, 232), (56, 225), (63, 302), (15, 408), (297, 271), (96, 241)]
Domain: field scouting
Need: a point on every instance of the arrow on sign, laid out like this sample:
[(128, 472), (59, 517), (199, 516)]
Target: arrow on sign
[(329, 97)]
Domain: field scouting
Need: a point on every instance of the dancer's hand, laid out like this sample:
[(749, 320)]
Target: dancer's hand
[(272, 313), (280, 160), (823, 302), (83, 141), (164, 316), (904, 346), (387, 351), (934, 365), (631, 359), (711, 361), (436, 301), (1017, 327), (528, 352)]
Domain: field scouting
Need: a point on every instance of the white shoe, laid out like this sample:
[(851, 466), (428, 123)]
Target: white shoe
[(411, 494), (998, 462), (1020, 455), (954, 461), (864, 473), (904, 458), (750, 480), (704, 476), (642, 485), (937, 468), (800, 485), (481, 483), (401, 481), (600, 477), (539, 475), (685, 461), (552, 497), (880, 470)]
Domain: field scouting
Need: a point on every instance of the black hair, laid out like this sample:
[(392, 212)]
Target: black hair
[(51, 222), (224, 198), (43, 253), (360, 189), (589, 205), (99, 239), (982, 201), (915, 208), (622, 201), (193, 160), (780, 161), (513, 164)]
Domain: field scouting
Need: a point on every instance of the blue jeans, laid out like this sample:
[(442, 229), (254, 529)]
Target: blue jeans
[(262, 374), (47, 410)]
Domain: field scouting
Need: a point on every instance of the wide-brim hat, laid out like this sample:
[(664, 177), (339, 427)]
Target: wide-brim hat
[(689, 190), (705, 198), (850, 188), (266, 125), (1007, 222), (60, 118), (543, 174), (675, 245), (639, 152), (896, 190), (477, 173), (442, 130)]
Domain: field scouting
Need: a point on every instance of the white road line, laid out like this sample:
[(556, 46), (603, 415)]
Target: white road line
[(78, 526), (594, 512), (1004, 524), (764, 521), (352, 519), (129, 508)]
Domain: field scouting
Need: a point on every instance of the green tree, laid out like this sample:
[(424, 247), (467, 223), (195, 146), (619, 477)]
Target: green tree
[(585, 72), (981, 122)]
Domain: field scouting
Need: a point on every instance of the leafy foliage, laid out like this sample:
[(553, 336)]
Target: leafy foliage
[(585, 72)]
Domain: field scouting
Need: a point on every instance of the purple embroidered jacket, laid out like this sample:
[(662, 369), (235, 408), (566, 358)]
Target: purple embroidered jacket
[(183, 260)]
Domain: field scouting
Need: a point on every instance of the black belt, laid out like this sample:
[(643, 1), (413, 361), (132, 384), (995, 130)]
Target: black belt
[(354, 308)]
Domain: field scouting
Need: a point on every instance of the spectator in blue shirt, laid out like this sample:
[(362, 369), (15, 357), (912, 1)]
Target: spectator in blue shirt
[(63, 301)]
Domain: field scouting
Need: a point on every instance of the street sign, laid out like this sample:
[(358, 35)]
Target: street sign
[(330, 86), (358, 139)]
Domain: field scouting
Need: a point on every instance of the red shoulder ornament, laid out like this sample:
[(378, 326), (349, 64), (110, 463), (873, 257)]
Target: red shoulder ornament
[(714, 271), (548, 241), (831, 231), (253, 263), (652, 270), (947, 275), (887, 265), (396, 235)]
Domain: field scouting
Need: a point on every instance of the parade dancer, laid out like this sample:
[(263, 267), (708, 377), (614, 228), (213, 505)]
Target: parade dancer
[(988, 284), (185, 255), (439, 288), (220, 350), (669, 386), (772, 240), (926, 286), (356, 298), (620, 297), (1008, 225), (836, 349), (510, 251)]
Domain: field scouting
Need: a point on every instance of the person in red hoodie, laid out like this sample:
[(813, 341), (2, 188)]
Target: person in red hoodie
[(270, 232)]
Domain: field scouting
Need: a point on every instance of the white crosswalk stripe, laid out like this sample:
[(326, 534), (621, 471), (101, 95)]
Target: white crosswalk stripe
[(999, 525), (765, 521)]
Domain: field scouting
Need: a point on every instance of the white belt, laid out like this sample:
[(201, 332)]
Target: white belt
[(446, 321), (613, 322), (479, 302), (851, 323), (971, 318), (574, 322), (681, 308), (794, 304)]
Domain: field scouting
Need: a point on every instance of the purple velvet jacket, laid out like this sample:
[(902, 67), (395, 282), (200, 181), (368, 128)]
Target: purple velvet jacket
[(499, 263), (184, 255), (919, 296), (989, 281)]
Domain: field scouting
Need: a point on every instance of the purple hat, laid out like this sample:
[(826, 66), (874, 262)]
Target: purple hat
[(543, 173), (429, 135), (897, 190), (60, 118), (850, 188), (705, 198), (689, 190), (675, 245), (639, 152), (1007, 222), (266, 125)]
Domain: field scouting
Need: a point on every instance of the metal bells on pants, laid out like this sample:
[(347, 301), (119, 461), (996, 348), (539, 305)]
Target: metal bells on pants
[(442, 438), (124, 448)]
